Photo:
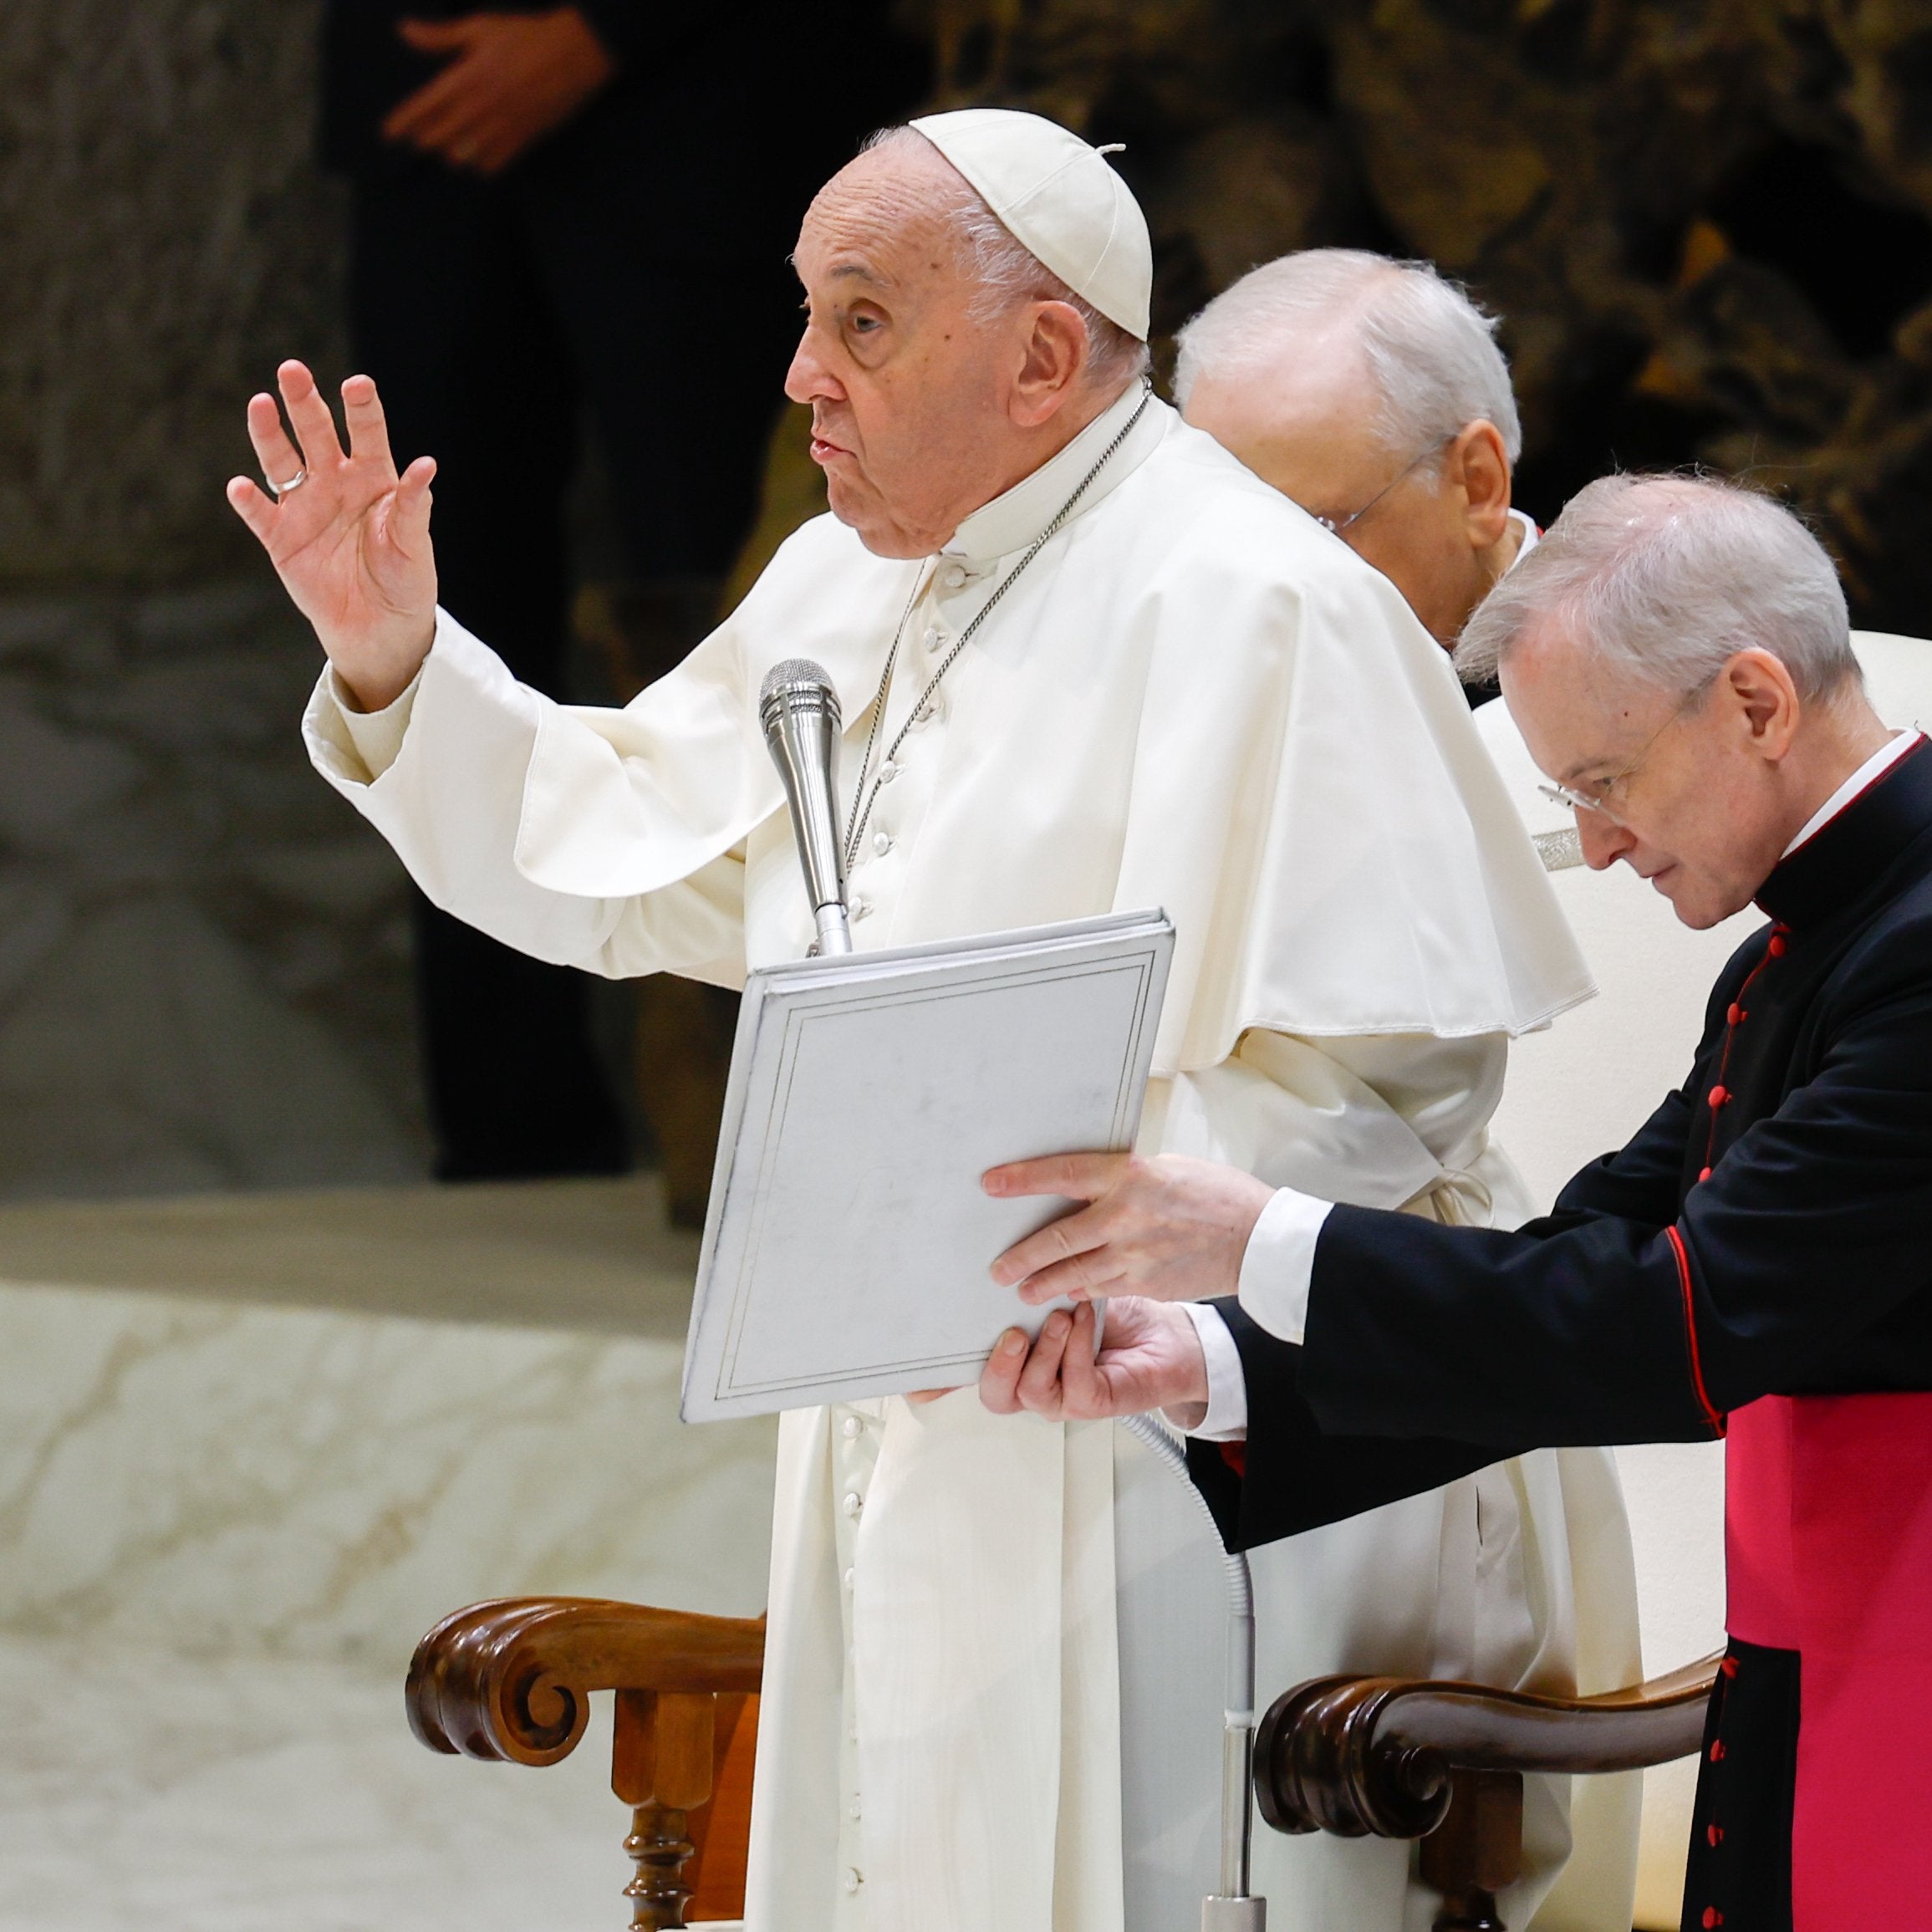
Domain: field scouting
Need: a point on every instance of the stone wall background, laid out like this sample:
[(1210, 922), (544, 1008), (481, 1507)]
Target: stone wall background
[(204, 975), (166, 237)]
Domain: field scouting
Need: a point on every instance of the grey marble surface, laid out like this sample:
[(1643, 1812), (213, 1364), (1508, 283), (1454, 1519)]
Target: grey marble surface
[(234, 1794), (204, 954)]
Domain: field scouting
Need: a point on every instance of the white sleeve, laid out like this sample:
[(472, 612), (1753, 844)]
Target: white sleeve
[(1279, 1262), (376, 736), (1227, 1419), (441, 774)]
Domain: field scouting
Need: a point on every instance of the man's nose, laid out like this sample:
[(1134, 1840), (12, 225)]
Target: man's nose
[(808, 379), (1603, 840)]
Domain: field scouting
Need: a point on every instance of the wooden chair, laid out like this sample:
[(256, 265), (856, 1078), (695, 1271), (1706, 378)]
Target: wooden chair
[(1399, 1758), (511, 1680), (1385, 1757)]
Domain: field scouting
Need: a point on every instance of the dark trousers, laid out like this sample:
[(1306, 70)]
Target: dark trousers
[(495, 317)]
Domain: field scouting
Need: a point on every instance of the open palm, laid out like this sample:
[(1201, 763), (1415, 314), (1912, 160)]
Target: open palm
[(351, 540)]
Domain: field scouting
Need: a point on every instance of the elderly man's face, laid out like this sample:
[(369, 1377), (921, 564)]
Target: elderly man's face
[(1306, 425), (1694, 792), (921, 411)]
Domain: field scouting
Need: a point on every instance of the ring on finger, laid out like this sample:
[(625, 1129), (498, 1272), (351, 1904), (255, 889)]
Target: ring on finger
[(295, 482)]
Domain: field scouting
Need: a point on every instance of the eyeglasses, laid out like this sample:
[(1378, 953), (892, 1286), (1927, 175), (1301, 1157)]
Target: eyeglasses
[(1335, 528), (1605, 789)]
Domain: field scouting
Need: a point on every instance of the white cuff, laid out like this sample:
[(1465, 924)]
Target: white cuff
[(1227, 1419), (377, 736), (1279, 1262)]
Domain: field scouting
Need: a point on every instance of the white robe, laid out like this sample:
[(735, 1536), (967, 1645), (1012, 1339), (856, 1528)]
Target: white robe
[(1194, 698)]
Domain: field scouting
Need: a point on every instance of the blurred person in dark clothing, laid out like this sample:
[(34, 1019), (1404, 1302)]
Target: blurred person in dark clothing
[(542, 204)]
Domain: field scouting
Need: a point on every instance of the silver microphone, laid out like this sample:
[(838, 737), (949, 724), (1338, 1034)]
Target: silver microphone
[(799, 710)]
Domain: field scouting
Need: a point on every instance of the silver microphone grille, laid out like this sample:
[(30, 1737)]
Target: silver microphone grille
[(802, 675)]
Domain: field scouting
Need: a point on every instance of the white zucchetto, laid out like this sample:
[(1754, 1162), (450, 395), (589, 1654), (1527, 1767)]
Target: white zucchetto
[(1061, 202)]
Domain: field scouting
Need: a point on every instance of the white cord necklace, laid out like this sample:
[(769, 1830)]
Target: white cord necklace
[(858, 820)]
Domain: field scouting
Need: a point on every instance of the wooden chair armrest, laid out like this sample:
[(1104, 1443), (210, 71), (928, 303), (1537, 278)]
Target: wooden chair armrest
[(1376, 1756), (511, 1679)]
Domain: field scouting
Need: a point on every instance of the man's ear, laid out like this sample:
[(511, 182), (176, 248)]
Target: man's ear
[(1478, 463), (1053, 359), (1762, 689)]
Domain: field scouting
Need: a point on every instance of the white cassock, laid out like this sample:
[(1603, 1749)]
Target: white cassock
[(1194, 698)]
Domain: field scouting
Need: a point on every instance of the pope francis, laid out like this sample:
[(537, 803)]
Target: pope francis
[(1090, 663)]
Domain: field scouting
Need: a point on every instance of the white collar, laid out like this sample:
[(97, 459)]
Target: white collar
[(1530, 537), (1016, 517), (1882, 760)]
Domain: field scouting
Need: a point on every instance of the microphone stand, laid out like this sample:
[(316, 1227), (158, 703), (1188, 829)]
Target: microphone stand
[(799, 710), (1231, 1908)]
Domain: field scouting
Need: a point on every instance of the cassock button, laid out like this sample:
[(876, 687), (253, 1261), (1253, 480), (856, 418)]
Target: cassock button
[(853, 1880), (953, 576), (934, 638), (1717, 1751), (851, 1427), (888, 772), (847, 1580), (1704, 1174), (1713, 1834), (854, 1502), (1736, 1017), (1712, 1916), (1729, 1667), (882, 843), (861, 906), (1776, 948), (1718, 1095)]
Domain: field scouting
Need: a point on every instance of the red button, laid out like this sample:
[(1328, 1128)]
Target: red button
[(1717, 1751), (1729, 1667), (1714, 1834), (1718, 1095), (1736, 1015), (1704, 1174), (1776, 948), (1712, 1916)]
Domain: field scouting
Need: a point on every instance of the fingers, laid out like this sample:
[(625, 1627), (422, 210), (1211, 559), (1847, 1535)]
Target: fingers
[(368, 427), (437, 36), (273, 451), (253, 505), (1000, 1380), (1082, 1391), (1060, 1241), (1073, 1176), (439, 114), (309, 413), (1038, 1387)]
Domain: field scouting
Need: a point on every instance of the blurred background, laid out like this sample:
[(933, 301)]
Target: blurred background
[(272, 1396)]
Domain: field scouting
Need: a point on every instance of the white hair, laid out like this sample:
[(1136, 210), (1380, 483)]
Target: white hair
[(1008, 272), (1430, 353), (1666, 579)]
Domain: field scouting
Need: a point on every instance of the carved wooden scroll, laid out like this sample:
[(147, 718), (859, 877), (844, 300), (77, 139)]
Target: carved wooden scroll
[(1397, 1758), (511, 1680)]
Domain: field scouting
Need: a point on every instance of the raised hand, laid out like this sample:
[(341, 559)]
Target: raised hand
[(1150, 1357), (1169, 1227), (351, 540)]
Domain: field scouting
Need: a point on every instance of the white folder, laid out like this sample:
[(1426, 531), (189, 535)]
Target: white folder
[(848, 1243)]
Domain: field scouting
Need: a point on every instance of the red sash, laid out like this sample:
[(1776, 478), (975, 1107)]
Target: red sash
[(1829, 1547)]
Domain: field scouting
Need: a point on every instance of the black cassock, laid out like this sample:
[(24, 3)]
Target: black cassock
[(1766, 1233)]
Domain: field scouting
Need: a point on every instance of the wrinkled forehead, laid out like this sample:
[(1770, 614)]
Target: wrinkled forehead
[(882, 223)]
